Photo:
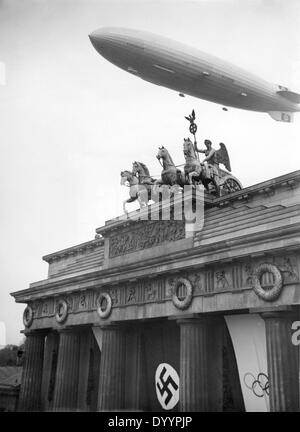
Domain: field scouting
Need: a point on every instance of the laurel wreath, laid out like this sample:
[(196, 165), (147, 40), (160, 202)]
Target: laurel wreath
[(104, 313), (273, 293), (61, 311), (184, 303), (28, 316)]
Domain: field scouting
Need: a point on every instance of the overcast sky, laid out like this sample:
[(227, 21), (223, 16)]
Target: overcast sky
[(70, 121)]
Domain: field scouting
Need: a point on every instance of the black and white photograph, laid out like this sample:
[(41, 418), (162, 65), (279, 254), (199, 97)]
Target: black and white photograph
[(150, 209)]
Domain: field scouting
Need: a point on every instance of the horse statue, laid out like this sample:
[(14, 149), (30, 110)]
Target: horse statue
[(196, 172), (140, 170), (140, 184), (170, 175)]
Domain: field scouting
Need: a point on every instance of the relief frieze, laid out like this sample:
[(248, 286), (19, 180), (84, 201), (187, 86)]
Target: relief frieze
[(148, 234), (197, 280), (288, 267), (131, 295), (231, 277), (221, 280), (115, 296), (83, 301)]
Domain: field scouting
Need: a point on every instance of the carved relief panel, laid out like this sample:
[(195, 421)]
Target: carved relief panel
[(147, 234)]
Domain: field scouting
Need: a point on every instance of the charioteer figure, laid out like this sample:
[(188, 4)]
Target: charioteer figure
[(215, 180), (210, 158)]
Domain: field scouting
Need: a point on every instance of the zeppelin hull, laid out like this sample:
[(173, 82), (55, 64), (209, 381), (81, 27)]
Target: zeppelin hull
[(187, 70)]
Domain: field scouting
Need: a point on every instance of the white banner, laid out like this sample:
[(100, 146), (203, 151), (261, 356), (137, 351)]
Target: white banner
[(249, 341)]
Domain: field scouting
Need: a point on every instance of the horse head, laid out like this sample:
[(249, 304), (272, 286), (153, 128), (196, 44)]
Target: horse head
[(162, 153), (136, 168), (126, 176), (188, 149), (140, 168)]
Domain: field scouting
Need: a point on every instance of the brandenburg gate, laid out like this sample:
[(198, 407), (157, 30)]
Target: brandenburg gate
[(152, 316)]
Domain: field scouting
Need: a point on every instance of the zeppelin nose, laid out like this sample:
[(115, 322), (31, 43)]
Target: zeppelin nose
[(99, 39), (104, 40)]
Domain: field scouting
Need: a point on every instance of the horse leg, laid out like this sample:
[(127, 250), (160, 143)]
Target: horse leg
[(186, 179), (129, 200), (191, 176), (157, 185), (142, 203), (124, 207), (157, 191), (143, 195), (175, 189)]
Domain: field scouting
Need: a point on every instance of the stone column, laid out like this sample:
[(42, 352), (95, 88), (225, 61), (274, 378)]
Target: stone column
[(135, 379), (89, 365), (93, 376), (201, 364), (215, 366), (66, 380), (282, 358), (193, 394), (30, 393), (112, 369), (50, 362), (84, 360)]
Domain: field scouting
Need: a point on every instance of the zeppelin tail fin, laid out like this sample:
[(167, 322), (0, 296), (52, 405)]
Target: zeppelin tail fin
[(283, 116), (291, 96)]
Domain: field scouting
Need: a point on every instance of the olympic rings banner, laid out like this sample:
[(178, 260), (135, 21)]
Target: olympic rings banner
[(249, 341)]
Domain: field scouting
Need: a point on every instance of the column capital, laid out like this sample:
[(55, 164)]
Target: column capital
[(284, 314), (189, 321), (65, 330), (183, 316), (197, 319), (37, 332), (112, 326), (72, 329)]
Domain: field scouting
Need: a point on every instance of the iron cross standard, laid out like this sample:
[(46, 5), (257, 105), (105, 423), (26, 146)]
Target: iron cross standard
[(193, 128)]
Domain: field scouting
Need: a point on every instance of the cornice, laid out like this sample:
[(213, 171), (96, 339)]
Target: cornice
[(282, 240), (267, 188), (71, 251)]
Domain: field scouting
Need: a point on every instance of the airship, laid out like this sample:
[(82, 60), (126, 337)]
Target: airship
[(189, 71)]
